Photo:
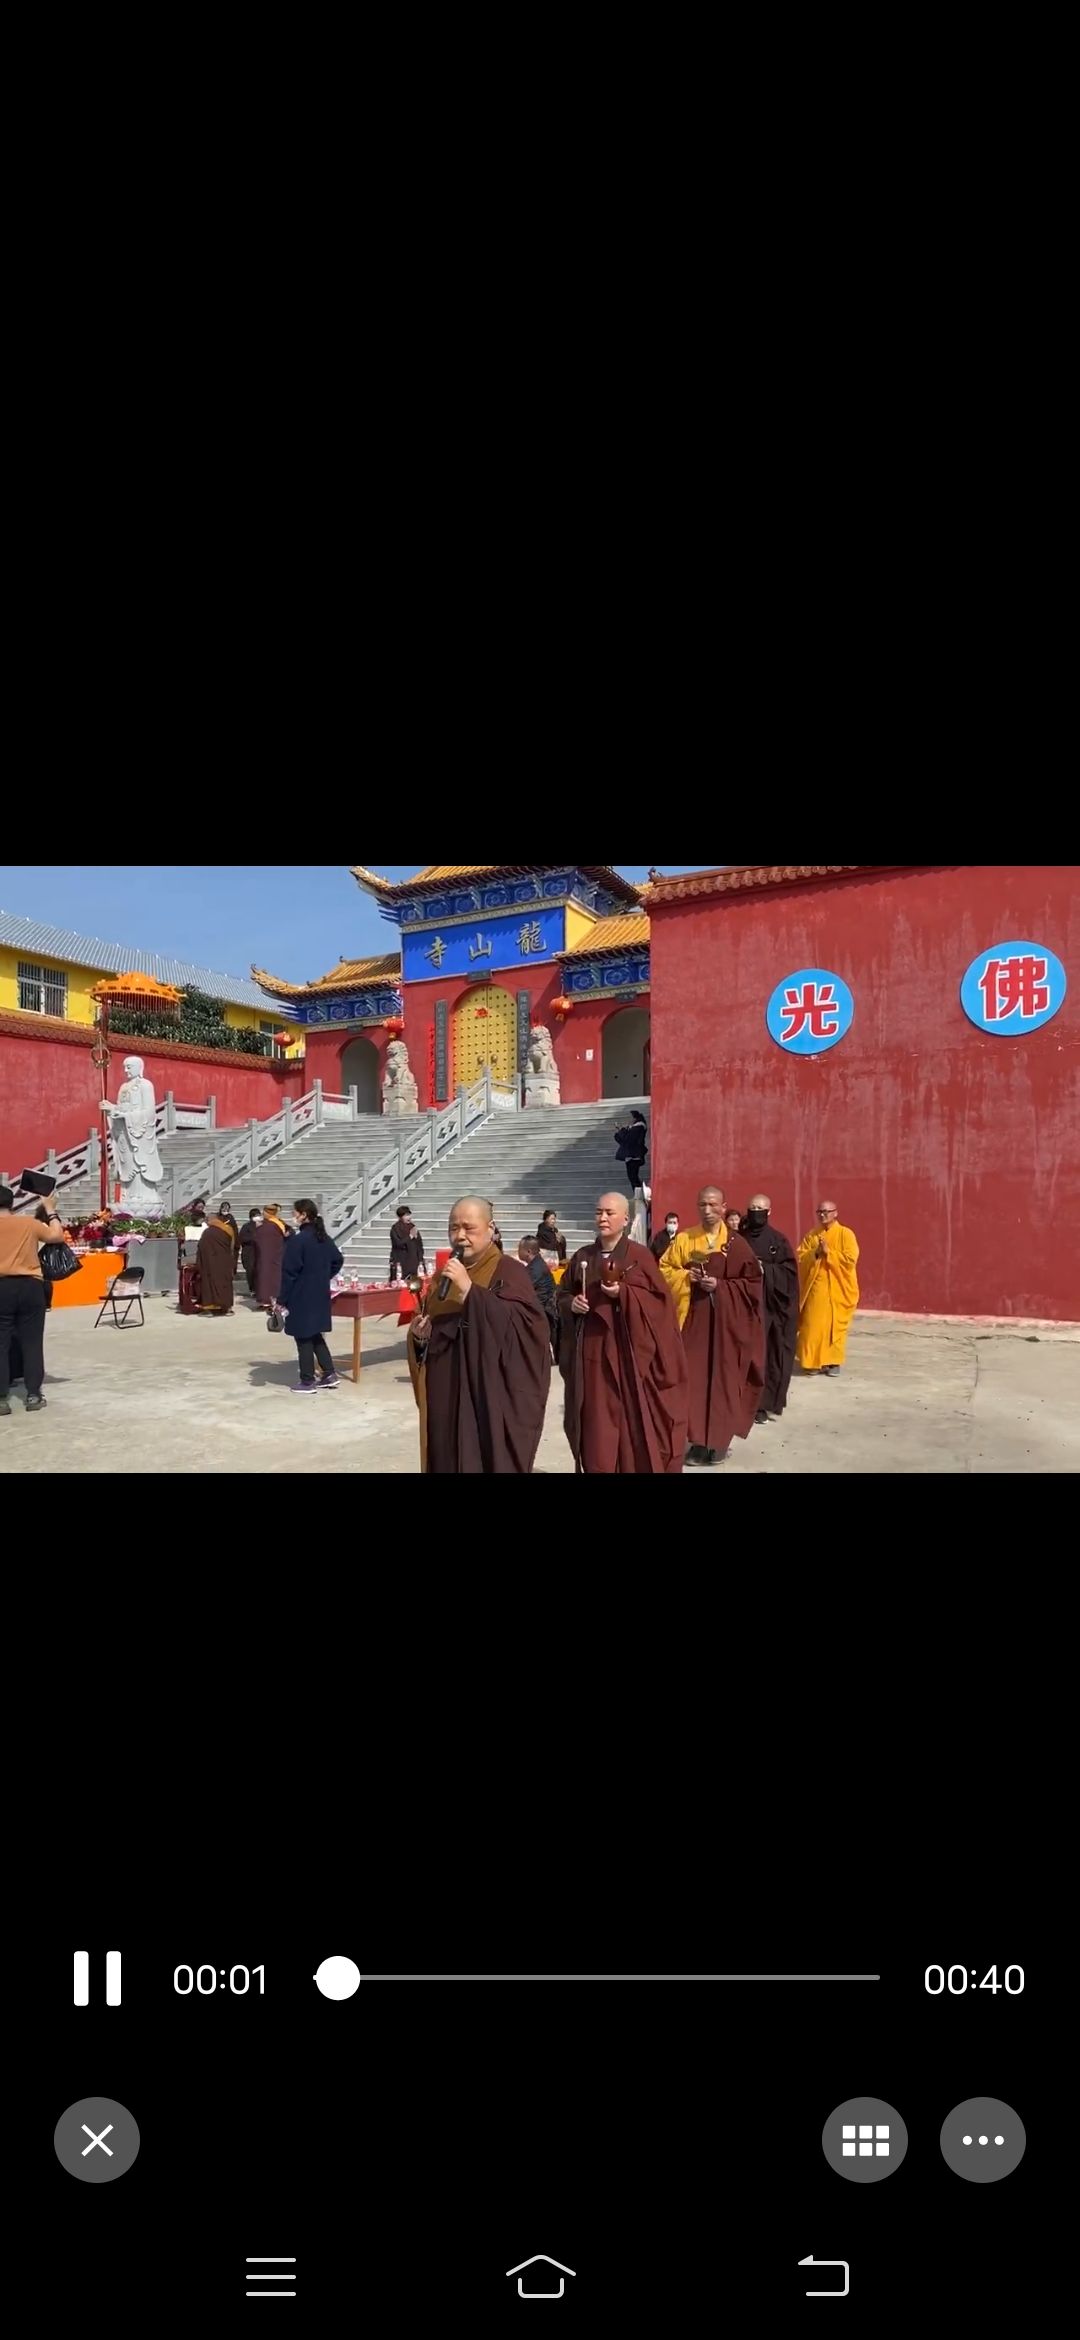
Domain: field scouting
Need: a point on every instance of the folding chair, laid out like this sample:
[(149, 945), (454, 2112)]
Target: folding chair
[(127, 1286)]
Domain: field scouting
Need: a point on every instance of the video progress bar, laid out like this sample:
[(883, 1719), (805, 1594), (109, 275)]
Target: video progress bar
[(651, 1978)]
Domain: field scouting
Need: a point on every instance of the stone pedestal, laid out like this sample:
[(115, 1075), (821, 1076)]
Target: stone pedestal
[(540, 1089)]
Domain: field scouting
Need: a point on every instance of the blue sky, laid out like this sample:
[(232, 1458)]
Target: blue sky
[(296, 922)]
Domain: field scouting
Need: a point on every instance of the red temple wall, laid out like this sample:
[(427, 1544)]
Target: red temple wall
[(50, 1091), (954, 1155)]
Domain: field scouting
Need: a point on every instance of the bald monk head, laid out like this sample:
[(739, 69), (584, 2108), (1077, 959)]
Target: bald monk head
[(710, 1205), (612, 1219), (760, 1202), (472, 1224), (827, 1213)]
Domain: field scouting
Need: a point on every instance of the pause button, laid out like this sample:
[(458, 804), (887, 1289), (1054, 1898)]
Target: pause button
[(81, 1978)]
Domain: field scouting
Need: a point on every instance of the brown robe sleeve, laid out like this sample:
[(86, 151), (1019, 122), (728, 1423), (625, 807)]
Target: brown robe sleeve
[(487, 1377), (623, 1367)]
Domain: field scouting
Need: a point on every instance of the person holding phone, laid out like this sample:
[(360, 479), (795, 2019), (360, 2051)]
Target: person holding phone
[(22, 1296)]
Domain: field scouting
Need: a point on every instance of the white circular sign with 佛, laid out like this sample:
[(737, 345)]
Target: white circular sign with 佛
[(338, 1978)]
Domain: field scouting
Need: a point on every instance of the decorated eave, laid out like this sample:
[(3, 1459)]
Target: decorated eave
[(350, 975), (610, 963), (749, 876), (440, 879)]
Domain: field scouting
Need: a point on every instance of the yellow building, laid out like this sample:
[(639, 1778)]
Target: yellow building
[(48, 971)]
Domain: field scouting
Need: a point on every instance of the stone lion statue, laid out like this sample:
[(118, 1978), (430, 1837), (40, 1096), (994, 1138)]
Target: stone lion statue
[(400, 1092), (542, 1076), (541, 1053)]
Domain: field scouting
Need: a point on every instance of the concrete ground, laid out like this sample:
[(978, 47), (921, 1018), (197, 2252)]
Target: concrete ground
[(197, 1394)]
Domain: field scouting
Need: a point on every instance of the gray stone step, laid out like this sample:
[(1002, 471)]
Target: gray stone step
[(564, 1157), (525, 1162)]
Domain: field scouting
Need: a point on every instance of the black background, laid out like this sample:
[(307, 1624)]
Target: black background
[(662, 2139), (249, 2116), (607, 1811)]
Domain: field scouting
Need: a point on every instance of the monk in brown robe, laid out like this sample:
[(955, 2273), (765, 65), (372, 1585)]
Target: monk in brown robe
[(215, 1268), (620, 1355), (480, 1356), (716, 1284), (269, 1246)]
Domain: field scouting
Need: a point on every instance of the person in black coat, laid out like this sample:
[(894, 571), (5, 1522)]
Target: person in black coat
[(548, 1236), (310, 1262), (631, 1147), (406, 1247)]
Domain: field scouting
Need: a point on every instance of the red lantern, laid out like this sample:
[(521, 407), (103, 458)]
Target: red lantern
[(395, 1025), (562, 1005)]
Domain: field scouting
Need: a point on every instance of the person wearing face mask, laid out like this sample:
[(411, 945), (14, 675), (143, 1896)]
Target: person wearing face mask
[(310, 1261), (662, 1242), (248, 1232), (780, 1272)]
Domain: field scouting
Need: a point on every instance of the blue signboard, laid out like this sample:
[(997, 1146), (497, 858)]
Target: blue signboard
[(479, 949), (810, 1011), (367, 1007), (1013, 987)]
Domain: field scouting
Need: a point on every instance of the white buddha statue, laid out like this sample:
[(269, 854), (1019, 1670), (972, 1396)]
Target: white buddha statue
[(131, 1123)]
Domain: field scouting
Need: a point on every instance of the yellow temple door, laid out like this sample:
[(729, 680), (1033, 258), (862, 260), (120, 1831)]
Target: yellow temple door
[(485, 1033)]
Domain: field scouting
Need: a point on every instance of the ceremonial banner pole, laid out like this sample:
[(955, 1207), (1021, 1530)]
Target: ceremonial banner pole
[(100, 1057)]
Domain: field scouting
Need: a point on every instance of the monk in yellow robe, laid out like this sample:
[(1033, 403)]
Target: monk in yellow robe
[(828, 1292), (716, 1284)]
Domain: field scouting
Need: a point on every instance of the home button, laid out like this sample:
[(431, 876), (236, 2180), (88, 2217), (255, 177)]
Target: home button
[(540, 2284)]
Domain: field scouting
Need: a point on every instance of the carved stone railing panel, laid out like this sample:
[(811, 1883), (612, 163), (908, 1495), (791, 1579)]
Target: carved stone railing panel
[(75, 1162)]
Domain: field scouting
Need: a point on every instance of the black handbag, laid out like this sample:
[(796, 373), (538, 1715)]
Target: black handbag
[(275, 1321), (58, 1261)]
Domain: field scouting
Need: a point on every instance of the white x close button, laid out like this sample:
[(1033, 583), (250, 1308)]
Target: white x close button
[(114, 2139)]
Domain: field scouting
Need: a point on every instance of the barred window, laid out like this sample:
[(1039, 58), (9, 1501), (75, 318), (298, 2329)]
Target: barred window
[(43, 991)]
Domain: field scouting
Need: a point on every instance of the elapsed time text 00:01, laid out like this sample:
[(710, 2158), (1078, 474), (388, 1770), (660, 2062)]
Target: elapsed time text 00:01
[(206, 1989)]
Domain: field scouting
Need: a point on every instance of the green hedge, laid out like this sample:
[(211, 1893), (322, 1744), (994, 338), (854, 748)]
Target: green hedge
[(199, 1021)]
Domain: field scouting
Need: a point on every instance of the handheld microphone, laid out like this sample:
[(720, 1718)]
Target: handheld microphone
[(445, 1285)]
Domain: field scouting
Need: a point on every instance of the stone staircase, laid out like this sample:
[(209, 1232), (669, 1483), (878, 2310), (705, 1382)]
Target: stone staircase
[(186, 1148), (320, 1162), (330, 1156), (526, 1163)]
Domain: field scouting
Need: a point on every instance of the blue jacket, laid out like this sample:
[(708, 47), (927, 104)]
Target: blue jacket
[(306, 1271)]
